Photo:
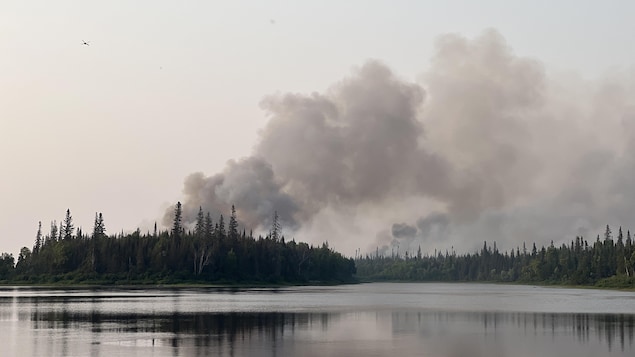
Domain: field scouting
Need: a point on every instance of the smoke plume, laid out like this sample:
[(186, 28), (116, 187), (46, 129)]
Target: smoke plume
[(485, 146)]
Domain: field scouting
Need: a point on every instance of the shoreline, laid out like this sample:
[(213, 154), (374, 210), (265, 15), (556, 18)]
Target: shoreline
[(185, 285), (544, 285), (254, 285)]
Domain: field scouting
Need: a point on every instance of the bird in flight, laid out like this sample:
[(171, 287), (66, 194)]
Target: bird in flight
[(85, 43)]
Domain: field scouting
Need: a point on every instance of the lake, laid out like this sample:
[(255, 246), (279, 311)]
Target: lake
[(378, 319)]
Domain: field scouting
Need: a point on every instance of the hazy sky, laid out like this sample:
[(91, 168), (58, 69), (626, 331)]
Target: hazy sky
[(168, 88)]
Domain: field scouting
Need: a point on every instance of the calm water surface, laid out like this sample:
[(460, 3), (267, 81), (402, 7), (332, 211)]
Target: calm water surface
[(353, 320)]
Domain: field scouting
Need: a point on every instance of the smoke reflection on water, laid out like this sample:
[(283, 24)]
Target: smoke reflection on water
[(81, 324)]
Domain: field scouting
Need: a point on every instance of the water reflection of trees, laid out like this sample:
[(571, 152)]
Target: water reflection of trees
[(608, 329), (194, 329)]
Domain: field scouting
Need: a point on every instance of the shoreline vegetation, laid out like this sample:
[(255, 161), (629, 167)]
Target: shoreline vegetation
[(211, 253), (606, 264), (214, 254)]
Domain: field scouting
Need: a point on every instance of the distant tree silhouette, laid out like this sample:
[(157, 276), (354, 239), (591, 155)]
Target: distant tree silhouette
[(605, 262), (67, 226), (202, 255)]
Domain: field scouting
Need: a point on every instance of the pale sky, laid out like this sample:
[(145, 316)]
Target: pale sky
[(167, 88)]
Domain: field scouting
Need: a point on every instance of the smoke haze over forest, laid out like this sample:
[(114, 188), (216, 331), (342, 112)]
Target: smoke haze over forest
[(486, 144)]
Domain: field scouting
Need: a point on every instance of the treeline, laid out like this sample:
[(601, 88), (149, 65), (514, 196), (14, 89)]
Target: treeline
[(212, 252), (606, 262)]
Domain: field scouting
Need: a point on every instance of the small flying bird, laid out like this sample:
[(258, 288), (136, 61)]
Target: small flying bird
[(85, 43)]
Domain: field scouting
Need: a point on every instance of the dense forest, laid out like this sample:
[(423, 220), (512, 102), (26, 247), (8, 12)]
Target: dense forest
[(211, 252), (216, 252), (606, 262)]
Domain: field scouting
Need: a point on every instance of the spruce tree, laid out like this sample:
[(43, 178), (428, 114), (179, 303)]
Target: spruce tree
[(177, 227), (99, 229), (233, 225), (276, 228), (53, 231), (67, 226), (221, 227), (199, 229), (209, 228), (608, 235), (38, 238), (620, 261)]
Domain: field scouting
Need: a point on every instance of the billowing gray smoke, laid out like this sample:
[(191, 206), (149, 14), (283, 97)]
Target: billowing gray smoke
[(357, 144), (485, 147), (249, 184)]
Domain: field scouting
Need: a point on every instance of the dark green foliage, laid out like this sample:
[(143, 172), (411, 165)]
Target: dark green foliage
[(276, 228), (605, 263), (202, 255), (38, 237), (177, 226), (99, 228), (53, 235), (233, 225), (66, 231), (6, 266)]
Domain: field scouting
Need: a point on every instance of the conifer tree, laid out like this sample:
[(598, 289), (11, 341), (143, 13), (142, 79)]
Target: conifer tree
[(38, 238), (209, 228), (67, 226), (53, 231), (99, 229), (276, 228), (221, 227), (608, 235), (232, 229), (177, 227), (199, 229), (620, 261)]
